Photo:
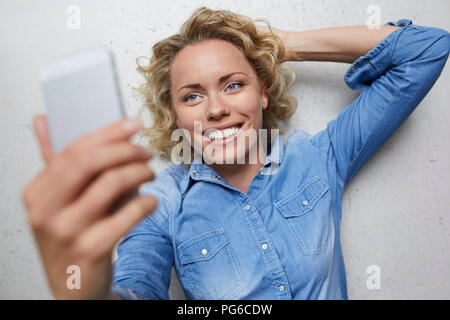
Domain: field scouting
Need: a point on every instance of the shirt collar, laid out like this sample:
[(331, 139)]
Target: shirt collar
[(276, 152), (201, 171)]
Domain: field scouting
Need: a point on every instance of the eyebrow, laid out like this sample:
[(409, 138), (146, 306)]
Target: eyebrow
[(221, 79)]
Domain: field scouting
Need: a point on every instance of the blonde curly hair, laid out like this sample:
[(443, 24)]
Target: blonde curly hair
[(264, 52)]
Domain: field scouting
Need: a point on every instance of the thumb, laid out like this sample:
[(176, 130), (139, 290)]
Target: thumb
[(41, 130)]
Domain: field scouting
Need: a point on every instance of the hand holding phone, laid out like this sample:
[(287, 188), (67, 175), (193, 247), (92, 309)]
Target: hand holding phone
[(72, 203), (69, 205)]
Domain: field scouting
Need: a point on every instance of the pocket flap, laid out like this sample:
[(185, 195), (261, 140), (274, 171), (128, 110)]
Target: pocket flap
[(303, 200), (202, 247)]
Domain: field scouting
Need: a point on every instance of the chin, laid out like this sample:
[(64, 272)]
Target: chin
[(229, 156)]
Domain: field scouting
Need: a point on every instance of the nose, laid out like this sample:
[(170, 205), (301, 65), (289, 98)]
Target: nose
[(217, 108)]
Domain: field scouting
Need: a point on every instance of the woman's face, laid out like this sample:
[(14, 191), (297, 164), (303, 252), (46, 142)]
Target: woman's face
[(213, 84)]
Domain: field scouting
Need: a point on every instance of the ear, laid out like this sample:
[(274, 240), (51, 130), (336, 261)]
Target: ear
[(265, 97)]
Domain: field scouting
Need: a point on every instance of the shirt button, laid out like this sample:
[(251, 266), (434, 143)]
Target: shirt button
[(305, 202), (247, 207), (218, 177), (353, 69), (204, 252), (264, 246), (196, 172), (281, 288)]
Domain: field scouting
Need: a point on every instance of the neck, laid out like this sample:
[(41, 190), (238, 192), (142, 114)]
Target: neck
[(241, 175)]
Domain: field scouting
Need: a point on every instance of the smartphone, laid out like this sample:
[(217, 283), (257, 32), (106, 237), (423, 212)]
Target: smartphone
[(81, 94)]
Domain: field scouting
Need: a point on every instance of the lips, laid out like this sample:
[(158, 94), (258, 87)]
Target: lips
[(222, 127)]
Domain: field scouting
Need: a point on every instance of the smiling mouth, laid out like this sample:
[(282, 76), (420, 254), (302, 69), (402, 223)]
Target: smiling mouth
[(226, 134)]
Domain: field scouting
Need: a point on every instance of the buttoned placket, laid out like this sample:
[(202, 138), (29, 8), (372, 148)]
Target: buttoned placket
[(271, 260)]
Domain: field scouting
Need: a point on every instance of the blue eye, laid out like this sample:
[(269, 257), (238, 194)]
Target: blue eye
[(238, 83), (187, 98)]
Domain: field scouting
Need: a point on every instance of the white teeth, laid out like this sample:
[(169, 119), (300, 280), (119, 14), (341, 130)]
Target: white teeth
[(221, 134)]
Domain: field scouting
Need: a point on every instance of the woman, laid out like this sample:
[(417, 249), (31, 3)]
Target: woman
[(232, 228)]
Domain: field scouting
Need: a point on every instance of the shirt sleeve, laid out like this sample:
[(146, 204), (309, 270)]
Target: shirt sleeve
[(394, 77), (145, 255)]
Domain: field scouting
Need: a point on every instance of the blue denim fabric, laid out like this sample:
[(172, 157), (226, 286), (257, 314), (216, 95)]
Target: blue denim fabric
[(281, 240)]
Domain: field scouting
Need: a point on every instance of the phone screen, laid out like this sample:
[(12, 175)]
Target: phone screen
[(81, 93)]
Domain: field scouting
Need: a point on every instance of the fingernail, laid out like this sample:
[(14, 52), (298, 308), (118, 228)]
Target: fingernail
[(132, 124)]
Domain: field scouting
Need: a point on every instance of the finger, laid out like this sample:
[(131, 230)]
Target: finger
[(101, 238), (42, 133), (111, 186), (119, 130), (68, 176), (123, 199)]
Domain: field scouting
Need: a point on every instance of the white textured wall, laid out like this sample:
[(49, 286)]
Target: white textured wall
[(395, 211)]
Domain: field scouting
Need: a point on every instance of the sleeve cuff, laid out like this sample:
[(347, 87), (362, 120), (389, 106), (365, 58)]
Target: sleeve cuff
[(369, 67), (129, 294), (125, 293), (399, 23)]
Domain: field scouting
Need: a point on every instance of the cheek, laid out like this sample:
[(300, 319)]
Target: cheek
[(248, 104), (186, 118)]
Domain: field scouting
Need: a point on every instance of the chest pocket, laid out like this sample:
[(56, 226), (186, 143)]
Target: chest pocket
[(306, 212), (211, 268)]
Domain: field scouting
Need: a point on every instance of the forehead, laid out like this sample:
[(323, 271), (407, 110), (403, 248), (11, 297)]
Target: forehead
[(207, 61)]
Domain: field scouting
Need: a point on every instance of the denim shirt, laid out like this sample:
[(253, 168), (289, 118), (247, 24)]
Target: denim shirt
[(281, 240)]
